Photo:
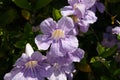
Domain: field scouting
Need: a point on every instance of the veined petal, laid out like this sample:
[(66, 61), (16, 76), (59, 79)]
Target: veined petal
[(42, 42), (90, 17), (80, 9), (66, 24), (72, 2), (55, 50), (84, 26), (67, 11), (70, 43), (61, 76), (48, 25), (22, 60), (77, 55), (38, 56), (88, 3)]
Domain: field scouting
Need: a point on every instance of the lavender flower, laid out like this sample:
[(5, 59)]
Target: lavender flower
[(62, 67), (116, 30), (80, 13), (109, 40), (28, 67), (98, 6), (57, 35)]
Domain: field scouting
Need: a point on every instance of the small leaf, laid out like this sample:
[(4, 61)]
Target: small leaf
[(93, 60), (116, 72), (109, 52), (26, 14), (100, 49), (42, 3), (20, 44), (56, 14), (27, 30), (104, 78), (23, 4), (84, 67)]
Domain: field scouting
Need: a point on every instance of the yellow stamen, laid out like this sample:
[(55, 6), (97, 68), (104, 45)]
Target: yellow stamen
[(58, 34), (31, 64)]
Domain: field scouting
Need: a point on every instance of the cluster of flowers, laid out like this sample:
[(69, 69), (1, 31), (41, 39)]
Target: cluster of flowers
[(59, 38)]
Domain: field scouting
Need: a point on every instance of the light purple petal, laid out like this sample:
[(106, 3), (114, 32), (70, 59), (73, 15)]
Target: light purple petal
[(100, 7), (42, 42), (37, 56), (10, 75), (90, 17), (84, 26), (67, 10), (69, 43), (55, 50), (22, 60), (88, 3), (80, 10), (72, 2), (77, 55), (61, 76), (116, 30), (66, 24), (48, 25)]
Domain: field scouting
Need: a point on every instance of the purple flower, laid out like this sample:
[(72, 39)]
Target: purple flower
[(109, 40), (98, 6), (57, 36), (88, 3), (116, 30), (88, 19), (78, 10), (28, 67), (62, 67)]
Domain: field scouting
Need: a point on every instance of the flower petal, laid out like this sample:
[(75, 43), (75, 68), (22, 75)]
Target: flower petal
[(43, 42), (48, 25), (66, 24), (61, 76), (29, 50), (80, 10), (100, 7), (55, 50), (88, 3), (77, 55), (70, 43), (67, 11)]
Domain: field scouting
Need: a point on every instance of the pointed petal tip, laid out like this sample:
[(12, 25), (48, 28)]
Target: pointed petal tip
[(29, 50)]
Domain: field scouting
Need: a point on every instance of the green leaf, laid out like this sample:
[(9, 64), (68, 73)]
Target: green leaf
[(56, 14), (104, 78), (116, 72), (109, 52), (23, 4), (8, 16), (100, 49), (113, 1), (41, 3), (20, 44)]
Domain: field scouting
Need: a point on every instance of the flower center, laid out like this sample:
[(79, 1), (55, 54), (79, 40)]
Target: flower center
[(58, 34), (56, 65), (31, 64), (76, 5)]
